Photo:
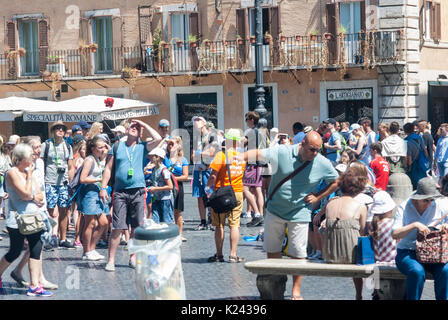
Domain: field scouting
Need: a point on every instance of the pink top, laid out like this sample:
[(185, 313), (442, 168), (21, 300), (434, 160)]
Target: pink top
[(385, 246)]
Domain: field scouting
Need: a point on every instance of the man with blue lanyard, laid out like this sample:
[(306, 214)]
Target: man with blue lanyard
[(334, 144), (129, 187)]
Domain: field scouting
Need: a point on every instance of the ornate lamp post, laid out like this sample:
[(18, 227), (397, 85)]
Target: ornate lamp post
[(259, 91)]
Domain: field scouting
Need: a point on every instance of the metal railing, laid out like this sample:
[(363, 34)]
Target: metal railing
[(307, 52)]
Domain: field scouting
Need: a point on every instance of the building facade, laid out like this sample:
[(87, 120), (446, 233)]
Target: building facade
[(386, 59)]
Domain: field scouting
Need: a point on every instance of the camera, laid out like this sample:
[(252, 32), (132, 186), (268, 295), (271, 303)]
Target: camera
[(60, 170)]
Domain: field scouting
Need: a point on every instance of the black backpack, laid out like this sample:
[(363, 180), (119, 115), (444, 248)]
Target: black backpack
[(75, 184), (112, 172)]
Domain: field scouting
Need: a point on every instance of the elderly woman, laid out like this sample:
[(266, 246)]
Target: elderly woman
[(422, 210), (25, 197)]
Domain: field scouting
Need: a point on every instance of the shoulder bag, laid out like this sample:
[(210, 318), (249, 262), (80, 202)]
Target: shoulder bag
[(223, 200), (30, 223)]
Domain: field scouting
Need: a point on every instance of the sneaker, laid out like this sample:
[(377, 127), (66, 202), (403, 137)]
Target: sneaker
[(210, 227), (48, 285), (246, 214), (110, 267), (132, 263), (96, 254), (316, 256), (201, 227), (101, 244), (38, 291), (123, 242), (2, 290), (92, 256), (66, 244), (311, 255), (78, 244), (256, 221), (20, 281)]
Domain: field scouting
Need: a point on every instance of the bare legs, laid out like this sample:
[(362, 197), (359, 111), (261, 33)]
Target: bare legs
[(91, 235)]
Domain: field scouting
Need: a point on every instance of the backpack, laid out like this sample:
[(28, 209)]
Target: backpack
[(175, 189), (343, 143), (75, 184), (423, 161)]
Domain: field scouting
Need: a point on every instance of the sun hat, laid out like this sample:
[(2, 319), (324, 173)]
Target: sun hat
[(354, 127), (341, 167), (13, 139), (84, 125), (308, 129), (58, 123), (158, 152), (164, 123), (382, 203), (120, 129), (426, 189), (198, 118), (233, 134)]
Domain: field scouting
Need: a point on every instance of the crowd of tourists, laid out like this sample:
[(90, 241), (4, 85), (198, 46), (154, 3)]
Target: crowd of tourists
[(319, 189)]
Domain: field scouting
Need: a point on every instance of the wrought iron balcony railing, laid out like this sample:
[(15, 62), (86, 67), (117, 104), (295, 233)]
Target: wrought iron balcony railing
[(299, 52)]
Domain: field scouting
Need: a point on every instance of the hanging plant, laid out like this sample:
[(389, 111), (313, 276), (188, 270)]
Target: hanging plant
[(93, 47), (282, 38), (327, 36), (207, 42), (109, 102), (252, 39), (267, 38), (193, 41), (313, 35), (239, 40), (22, 52)]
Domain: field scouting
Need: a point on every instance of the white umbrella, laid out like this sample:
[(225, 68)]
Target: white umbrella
[(92, 108), (12, 107)]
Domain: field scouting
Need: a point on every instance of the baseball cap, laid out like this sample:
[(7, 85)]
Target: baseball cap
[(13, 139), (84, 125), (382, 203), (76, 128), (120, 129), (330, 120), (157, 152), (164, 123), (198, 118), (307, 129), (78, 138), (353, 127)]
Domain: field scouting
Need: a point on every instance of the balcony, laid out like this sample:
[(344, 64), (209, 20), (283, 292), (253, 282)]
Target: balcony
[(298, 52)]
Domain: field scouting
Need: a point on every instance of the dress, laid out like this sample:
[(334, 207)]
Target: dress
[(340, 240)]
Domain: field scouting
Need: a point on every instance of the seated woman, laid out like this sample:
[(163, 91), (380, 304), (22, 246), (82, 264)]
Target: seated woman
[(424, 208), (345, 222)]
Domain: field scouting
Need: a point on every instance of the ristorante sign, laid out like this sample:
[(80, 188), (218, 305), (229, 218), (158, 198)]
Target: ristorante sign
[(91, 117), (349, 94)]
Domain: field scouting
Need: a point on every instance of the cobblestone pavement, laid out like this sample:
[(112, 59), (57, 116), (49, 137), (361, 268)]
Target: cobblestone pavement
[(203, 280)]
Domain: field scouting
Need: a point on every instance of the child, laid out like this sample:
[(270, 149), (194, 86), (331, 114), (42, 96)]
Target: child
[(161, 186), (380, 229), (379, 166)]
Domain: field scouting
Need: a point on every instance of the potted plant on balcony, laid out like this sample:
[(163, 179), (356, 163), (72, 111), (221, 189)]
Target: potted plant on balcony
[(22, 52), (342, 31), (252, 39), (207, 42), (93, 47), (239, 40), (128, 72), (157, 44), (313, 35), (55, 59), (267, 38), (179, 43), (298, 37), (282, 37), (327, 36), (192, 39)]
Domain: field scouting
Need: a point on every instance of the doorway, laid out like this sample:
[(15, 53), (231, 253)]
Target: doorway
[(437, 104), (351, 110)]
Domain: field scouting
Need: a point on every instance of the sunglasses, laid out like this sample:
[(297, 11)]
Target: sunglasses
[(59, 128), (135, 126)]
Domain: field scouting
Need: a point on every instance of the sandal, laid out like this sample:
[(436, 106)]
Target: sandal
[(294, 297), (216, 258), (235, 259)]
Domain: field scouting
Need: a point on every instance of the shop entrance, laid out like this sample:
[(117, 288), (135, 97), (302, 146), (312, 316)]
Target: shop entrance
[(350, 104), (437, 105)]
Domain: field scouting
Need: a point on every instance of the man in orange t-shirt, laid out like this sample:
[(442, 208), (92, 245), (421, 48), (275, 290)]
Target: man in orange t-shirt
[(220, 178)]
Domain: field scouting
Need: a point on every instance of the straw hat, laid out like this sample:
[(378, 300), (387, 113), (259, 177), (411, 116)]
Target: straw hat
[(58, 123)]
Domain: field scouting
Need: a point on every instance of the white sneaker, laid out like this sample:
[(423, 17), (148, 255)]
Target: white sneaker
[(90, 256), (100, 256)]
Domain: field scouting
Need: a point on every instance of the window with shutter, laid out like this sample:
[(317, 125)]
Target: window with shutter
[(438, 22), (434, 20), (43, 44), (29, 40), (11, 35), (275, 30), (332, 25), (241, 31)]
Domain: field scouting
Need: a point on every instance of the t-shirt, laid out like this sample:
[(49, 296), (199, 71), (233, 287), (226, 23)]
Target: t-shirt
[(176, 168), (159, 176), (429, 142), (298, 138), (236, 170), (334, 155), (62, 155), (129, 158), (288, 202), (252, 139), (381, 169), (371, 138)]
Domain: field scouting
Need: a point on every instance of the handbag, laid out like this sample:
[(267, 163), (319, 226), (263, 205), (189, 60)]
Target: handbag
[(365, 253), (433, 248), (224, 199), (30, 223)]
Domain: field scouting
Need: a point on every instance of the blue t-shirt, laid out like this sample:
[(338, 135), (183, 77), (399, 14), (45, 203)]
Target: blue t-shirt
[(334, 155), (288, 202), (128, 158), (177, 168)]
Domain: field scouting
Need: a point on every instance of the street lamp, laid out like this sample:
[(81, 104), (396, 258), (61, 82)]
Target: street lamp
[(259, 91)]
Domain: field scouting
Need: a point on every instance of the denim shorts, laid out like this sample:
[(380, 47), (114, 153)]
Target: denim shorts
[(89, 201), (162, 211), (200, 179), (57, 196)]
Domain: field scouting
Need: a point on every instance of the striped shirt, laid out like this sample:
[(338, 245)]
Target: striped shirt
[(385, 247)]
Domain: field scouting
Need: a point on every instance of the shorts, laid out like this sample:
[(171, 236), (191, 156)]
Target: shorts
[(129, 208), (89, 202), (219, 219), (57, 196), (162, 211), (274, 235), (200, 179), (252, 176), (179, 200)]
